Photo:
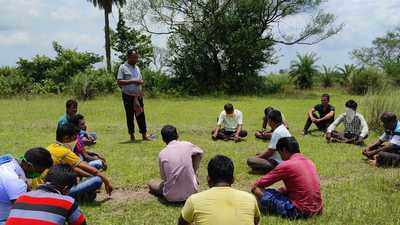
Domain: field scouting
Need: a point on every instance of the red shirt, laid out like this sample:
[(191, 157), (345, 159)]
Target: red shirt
[(301, 181)]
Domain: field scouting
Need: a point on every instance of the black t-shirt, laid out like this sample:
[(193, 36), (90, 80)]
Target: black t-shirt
[(320, 109)]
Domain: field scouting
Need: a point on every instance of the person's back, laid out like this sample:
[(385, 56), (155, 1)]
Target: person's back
[(176, 163), (45, 206), (221, 205)]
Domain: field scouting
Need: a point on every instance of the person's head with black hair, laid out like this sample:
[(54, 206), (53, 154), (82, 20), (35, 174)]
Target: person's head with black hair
[(325, 99), (35, 161), (275, 119), (62, 177), (220, 171), (351, 104), (228, 107), (287, 146), (79, 120), (133, 56), (71, 107), (267, 111), (389, 121), (169, 133), (67, 133)]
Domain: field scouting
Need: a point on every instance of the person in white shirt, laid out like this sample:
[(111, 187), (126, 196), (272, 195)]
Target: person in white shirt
[(14, 174), (355, 126), (229, 125), (270, 158)]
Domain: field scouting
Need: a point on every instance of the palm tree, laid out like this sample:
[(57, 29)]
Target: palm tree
[(346, 72), (106, 5), (303, 70), (327, 76)]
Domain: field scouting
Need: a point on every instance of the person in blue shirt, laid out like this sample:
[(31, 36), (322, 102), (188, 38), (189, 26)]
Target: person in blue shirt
[(71, 109), (389, 154)]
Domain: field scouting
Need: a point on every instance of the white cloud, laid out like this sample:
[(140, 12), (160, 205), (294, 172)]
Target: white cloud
[(13, 39)]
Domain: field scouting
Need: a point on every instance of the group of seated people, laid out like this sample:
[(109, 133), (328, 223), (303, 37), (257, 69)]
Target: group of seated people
[(66, 172)]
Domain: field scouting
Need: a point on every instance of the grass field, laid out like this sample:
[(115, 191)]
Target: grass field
[(353, 191)]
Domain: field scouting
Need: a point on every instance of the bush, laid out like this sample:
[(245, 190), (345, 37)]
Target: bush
[(15, 84), (377, 102), (392, 69), (275, 83), (366, 79), (91, 83), (155, 82)]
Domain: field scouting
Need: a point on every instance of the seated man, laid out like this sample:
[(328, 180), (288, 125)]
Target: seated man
[(301, 196), (386, 155), (266, 161), (179, 162), (14, 174), (49, 203), (71, 110), (93, 159), (326, 115), (355, 126), (266, 134), (229, 126), (62, 153), (221, 204)]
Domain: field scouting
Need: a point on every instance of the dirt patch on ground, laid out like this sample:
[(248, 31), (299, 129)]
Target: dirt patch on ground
[(123, 195)]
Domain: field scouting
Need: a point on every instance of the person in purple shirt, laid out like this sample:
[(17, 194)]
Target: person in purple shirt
[(179, 162)]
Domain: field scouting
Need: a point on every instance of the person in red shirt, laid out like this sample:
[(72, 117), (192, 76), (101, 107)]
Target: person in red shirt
[(301, 196)]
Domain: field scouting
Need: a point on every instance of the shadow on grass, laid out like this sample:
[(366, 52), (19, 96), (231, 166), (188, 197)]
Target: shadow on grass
[(130, 142), (95, 203), (163, 201)]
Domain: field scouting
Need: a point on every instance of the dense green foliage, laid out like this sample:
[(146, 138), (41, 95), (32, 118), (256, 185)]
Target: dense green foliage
[(126, 38), (303, 70)]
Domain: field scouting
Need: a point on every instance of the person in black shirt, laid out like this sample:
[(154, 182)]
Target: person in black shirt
[(322, 115)]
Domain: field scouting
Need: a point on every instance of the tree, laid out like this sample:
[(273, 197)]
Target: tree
[(327, 76), (346, 72), (126, 38), (303, 70), (222, 44), (106, 5)]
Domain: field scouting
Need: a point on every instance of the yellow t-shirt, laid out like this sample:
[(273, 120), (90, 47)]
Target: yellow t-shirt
[(60, 154), (221, 205)]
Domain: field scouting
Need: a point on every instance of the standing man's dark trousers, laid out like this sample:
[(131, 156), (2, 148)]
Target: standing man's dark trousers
[(322, 126), (130, 114)]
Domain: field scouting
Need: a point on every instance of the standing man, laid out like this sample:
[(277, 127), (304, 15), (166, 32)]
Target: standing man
[(130, 80), (326, 115)]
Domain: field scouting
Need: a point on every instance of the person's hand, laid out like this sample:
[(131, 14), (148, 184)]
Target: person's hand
[(359, 140), (141, 82), (214, 136), (105, 166), (328, 136), (107, 185)]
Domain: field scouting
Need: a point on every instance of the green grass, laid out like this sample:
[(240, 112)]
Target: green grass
[(353, 191)]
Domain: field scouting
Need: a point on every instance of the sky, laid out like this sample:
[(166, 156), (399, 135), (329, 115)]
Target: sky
[(28, 27)]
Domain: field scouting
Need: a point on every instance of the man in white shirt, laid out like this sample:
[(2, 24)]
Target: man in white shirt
[(355, 126), (130, 80), (229, 125), (270, 158), (179, 162), (14, 174)]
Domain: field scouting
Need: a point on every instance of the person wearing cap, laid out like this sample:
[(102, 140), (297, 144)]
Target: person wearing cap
[(355, 126), (14, 174), (130, 80), (386, 155)]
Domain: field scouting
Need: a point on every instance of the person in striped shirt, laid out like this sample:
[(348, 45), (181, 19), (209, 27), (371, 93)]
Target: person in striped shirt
[(301, 196), (355, 126), (49, 204)]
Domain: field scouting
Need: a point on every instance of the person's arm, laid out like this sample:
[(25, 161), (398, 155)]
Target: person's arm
[(333, 126), (127, 82), (93, 171), (328, 116), (265, 123), (275, 175), (187, 213), (364, 127), (196, 159), (311, 114), (256, 220), (219, 124), (238, 129), (239, 124), (162, 172), (266, 154)]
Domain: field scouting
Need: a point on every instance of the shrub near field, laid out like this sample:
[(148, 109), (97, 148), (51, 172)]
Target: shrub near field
[(353, 191)]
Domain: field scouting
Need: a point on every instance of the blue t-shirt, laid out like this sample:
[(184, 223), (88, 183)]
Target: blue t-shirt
[(393, 137)]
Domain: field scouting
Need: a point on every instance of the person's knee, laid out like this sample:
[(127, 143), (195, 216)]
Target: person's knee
[(243, 133), (96, 182)]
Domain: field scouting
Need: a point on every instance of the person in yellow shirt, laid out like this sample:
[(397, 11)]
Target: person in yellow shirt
[(221, 204), (62, 153)]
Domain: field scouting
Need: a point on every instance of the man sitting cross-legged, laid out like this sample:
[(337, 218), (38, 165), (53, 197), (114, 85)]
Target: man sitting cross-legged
[(264, 133), (355, 126), (221, 204), (266, 161), (301, 196), (61, 152), (229, 125), (326, 115), (386, 155), (179, 162), (49, 203), (14, 174)]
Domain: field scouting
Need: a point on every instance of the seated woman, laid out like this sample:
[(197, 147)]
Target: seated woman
[(264, 133)]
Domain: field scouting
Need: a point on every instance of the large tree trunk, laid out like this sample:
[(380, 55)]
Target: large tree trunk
[(107, 37)]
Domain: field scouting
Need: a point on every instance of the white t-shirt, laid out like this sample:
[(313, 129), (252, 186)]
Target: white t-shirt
[(230, 123), (129, 72), (279, 132), (12, 184)]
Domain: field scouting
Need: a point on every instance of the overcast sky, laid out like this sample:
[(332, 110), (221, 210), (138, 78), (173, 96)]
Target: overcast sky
[(27, 28)]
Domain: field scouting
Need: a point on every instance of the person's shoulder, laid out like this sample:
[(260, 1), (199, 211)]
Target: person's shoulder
[(318, 106), (238, 111), (331, 107), (55, 147)]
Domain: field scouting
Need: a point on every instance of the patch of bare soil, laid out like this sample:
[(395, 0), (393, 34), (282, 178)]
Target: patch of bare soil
[(123, 195)]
